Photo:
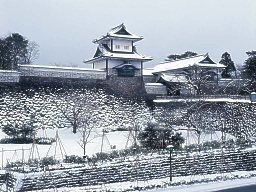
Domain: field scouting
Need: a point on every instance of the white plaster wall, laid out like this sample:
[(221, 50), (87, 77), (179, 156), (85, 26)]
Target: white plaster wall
[(62, 73), (100, 64), (136, 64), (114, 62), (122, 43)]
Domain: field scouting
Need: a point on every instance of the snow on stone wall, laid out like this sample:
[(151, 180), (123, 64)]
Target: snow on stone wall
[(155, 89), (9, 76)]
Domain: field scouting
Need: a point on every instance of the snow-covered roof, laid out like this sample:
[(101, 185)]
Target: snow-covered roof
[(148, 71), (103, 52), (174, 78), (59, 68), (154, 84), (198, 60), (119, 31), (125, 65)]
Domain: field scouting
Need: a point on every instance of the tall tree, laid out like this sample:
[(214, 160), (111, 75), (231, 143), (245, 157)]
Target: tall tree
[(249, 68), (16, 49), (16, 45), (181, 56), (230, 66)]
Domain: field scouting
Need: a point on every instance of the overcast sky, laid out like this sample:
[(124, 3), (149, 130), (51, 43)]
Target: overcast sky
[(64, 29)]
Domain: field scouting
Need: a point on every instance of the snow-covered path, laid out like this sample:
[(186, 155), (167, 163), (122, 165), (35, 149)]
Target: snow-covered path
[(214, 186)]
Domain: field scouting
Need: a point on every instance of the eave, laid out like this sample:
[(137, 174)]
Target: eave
[(126, 37), (116, 57)]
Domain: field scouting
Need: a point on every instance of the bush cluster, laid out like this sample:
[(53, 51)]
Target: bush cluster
[(229, 144), (33, 164)]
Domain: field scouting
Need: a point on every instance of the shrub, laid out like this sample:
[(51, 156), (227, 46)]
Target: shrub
[(74, 159), (44, 141), (46, 161)]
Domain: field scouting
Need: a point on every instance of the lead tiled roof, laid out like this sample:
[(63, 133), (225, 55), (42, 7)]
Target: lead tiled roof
[(119, 31), (198, 60), (104, 52)]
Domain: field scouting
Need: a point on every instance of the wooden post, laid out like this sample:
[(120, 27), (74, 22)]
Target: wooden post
[(2, 158), (22, 156)]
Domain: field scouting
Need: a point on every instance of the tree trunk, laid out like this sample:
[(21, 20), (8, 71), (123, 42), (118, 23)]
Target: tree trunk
[(74, 128)]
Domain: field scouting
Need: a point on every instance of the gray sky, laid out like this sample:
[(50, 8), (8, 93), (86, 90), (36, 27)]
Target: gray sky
[(64, 29)]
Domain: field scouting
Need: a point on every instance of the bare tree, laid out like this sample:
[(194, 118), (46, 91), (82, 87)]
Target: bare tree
[(80, 108), (32, 52), (85, 131), (76, 106), (199, 78)]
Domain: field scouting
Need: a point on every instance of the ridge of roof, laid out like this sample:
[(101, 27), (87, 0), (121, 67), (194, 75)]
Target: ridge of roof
[(118, 27), (199, 55), (113, 32), (186, 62)]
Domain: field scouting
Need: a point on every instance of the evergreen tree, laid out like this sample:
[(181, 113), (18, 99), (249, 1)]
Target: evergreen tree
[(230, 66), (148, 137), (16, 49), (154, 137), (177, 140), (20, 133), (249, 69), (181, 56)]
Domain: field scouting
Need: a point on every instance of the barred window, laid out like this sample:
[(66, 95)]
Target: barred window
[(126, 47)]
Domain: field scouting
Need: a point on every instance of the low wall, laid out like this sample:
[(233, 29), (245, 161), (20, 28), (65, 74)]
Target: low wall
[(9, 76), (155, 89), (143, 169), (61, 72)]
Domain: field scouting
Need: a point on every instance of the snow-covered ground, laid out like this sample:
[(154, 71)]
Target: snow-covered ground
[(229, 100), (69, 145), (121, 140), (214, 186)]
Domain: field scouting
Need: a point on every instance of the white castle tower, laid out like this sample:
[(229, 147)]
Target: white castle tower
[(117, 55)]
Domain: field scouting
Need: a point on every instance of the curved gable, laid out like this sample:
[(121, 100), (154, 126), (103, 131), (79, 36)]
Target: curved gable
[(207, 60), (98, 53), (122, 31)]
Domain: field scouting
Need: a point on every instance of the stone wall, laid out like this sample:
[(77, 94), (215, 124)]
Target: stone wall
[(142, 169), (126, 86)]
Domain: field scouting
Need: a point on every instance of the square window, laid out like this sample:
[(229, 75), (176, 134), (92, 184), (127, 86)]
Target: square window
[(126, 47)]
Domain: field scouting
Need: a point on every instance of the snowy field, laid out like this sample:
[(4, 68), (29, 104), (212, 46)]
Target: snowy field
[(69, 145)]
